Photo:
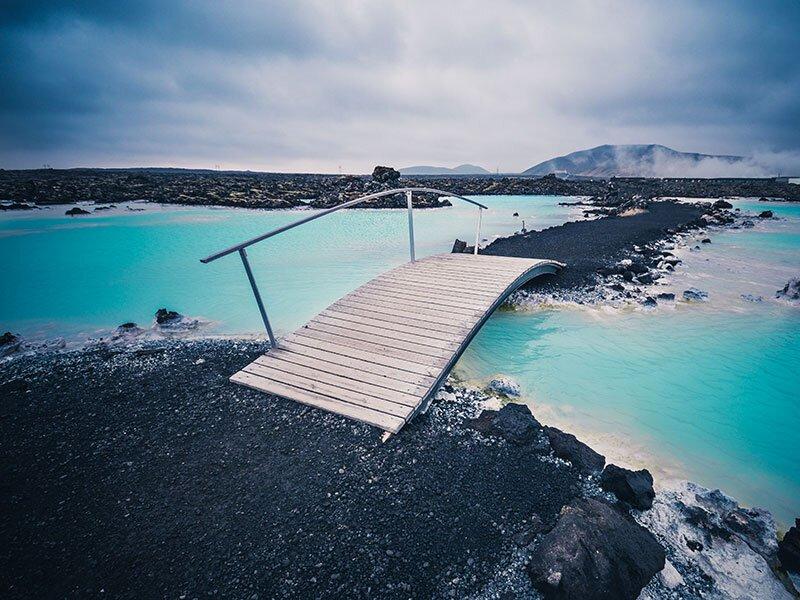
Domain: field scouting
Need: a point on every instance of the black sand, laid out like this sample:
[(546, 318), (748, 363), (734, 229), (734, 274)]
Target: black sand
[(152, 476), (149, 475)]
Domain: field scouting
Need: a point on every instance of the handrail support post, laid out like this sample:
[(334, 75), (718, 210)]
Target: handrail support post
[(243, 254), (410, 225), (478, 230)]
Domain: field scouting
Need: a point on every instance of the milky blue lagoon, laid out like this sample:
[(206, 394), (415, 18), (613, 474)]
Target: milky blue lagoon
[(706, 392)]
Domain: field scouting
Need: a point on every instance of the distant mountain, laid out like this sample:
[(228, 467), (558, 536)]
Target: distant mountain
[(643, 160), (459, 170)]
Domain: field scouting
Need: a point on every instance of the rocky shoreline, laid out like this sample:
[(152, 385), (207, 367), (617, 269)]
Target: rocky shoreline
[(167, 480), (132, 467), (38, 187), (622, 259)]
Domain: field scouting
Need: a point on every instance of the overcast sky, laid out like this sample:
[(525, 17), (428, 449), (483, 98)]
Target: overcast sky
[(315, 86)]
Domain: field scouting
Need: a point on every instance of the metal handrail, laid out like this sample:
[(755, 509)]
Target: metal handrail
[(240, 248), (328, 211)]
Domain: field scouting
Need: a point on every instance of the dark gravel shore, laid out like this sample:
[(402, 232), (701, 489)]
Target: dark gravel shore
[(149, 475), (585, 246), (139, 471)]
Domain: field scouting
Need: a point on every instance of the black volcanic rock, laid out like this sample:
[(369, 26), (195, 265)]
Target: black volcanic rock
[(568, 447), (791, 291), (594, 553), (385, 174), (722, 204), (789, 548), (164, 316), (632, 487), (765, 214), (459, 247), (75, 211), (515, 423), (9, 343)]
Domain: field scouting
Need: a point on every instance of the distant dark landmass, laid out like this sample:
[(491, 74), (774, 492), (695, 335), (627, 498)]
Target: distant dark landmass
[(646, 160), (289, 190), (459, 170)]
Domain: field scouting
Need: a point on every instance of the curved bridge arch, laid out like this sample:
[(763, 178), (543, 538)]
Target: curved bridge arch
[(380, 353)]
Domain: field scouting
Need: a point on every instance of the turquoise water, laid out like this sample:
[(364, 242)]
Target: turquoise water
[(704, 391), (75, 276), (710, 390)]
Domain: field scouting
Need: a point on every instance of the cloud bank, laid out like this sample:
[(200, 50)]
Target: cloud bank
[(319, 86)]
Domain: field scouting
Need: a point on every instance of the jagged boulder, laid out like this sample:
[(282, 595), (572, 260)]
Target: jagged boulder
[(459, 247), (385, 174), (568, 447), (513, 422), (722, 204), (632, 487), (593, 553), (789, 548)]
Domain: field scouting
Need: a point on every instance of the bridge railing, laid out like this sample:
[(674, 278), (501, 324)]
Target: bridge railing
[(409, 191)]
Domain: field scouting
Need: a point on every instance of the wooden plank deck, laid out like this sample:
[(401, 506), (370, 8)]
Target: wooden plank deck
[(380, 353)]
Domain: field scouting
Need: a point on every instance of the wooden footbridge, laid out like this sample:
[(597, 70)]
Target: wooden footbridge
[(380, 353)]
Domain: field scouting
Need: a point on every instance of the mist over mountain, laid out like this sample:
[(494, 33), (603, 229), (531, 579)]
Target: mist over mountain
[(648, 160), (459, 170)]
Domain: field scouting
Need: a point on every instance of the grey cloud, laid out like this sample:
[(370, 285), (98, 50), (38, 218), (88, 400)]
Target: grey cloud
[(314, 85)]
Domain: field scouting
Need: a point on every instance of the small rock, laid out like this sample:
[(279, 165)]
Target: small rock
[(9, 344), (444, 396), (172, 320), (751, 298), (628, 275), (505, 386), (126, 333), (649, 302), (669, 296), (164, 316), (75, 211), (722, 204), (791, 291), (747, 224), (765, 214), (705, 241), (632, 487), (695, 295)]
